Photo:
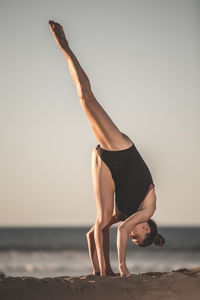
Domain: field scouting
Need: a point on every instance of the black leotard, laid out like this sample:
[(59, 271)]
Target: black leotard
[(132, 178)]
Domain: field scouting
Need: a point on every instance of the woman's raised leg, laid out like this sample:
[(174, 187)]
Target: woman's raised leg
[(105, 131)]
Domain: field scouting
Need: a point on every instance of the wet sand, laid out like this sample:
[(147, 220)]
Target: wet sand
[(182, 284)]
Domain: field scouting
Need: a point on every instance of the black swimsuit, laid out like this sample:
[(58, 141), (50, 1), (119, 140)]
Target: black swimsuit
[(131, 176)]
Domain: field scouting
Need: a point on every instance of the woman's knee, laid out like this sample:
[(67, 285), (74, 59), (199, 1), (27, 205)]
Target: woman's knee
[(103, 221), (90, 232), (84, 92)]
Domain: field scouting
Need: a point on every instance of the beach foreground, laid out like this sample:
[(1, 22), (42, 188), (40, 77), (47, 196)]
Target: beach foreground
[(181, 284)]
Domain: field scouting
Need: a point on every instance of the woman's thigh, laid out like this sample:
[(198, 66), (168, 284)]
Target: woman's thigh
[(104, 188), (106, 132)]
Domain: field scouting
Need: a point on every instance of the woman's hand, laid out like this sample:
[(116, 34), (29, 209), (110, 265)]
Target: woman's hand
[(124, 272)]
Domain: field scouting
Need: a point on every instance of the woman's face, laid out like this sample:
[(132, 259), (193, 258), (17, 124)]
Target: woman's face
[(138, 234)]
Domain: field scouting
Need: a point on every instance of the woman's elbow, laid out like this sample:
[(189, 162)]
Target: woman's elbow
[(148, 214), (122, 229)]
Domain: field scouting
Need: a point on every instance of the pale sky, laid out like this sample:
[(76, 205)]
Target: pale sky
[(142, 58)]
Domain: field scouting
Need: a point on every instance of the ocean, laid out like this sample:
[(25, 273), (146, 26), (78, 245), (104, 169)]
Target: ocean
[(62, 251)]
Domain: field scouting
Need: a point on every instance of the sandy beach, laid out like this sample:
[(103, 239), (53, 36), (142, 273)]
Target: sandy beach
[(181, 284)]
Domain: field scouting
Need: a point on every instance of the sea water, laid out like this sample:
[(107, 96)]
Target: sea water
[(76, 262), (50, 252)]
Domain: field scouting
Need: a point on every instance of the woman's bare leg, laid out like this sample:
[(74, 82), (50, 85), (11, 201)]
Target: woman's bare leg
[(105, 131), (106, 246), (104, 188), (93, 251)]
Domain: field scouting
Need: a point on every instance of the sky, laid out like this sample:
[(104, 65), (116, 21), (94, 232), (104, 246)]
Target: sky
[(142, 59)]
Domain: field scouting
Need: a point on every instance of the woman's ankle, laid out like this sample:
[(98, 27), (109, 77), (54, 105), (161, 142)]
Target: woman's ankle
[(96, 272)]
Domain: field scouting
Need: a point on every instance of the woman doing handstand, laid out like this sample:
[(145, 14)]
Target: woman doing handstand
[(117, 167)]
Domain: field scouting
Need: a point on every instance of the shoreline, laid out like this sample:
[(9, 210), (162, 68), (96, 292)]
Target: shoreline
[(181, 284)]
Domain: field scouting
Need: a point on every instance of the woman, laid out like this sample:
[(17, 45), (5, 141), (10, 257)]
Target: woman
[(117, 167)]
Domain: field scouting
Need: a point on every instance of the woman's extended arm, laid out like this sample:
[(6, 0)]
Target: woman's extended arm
[(123, 232), (122, 238)]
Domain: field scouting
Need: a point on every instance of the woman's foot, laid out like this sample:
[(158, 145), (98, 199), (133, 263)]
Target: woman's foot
[(110, 273), (58, 34)]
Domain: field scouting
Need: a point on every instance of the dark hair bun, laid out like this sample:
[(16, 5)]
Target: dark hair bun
[(159, 240)]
